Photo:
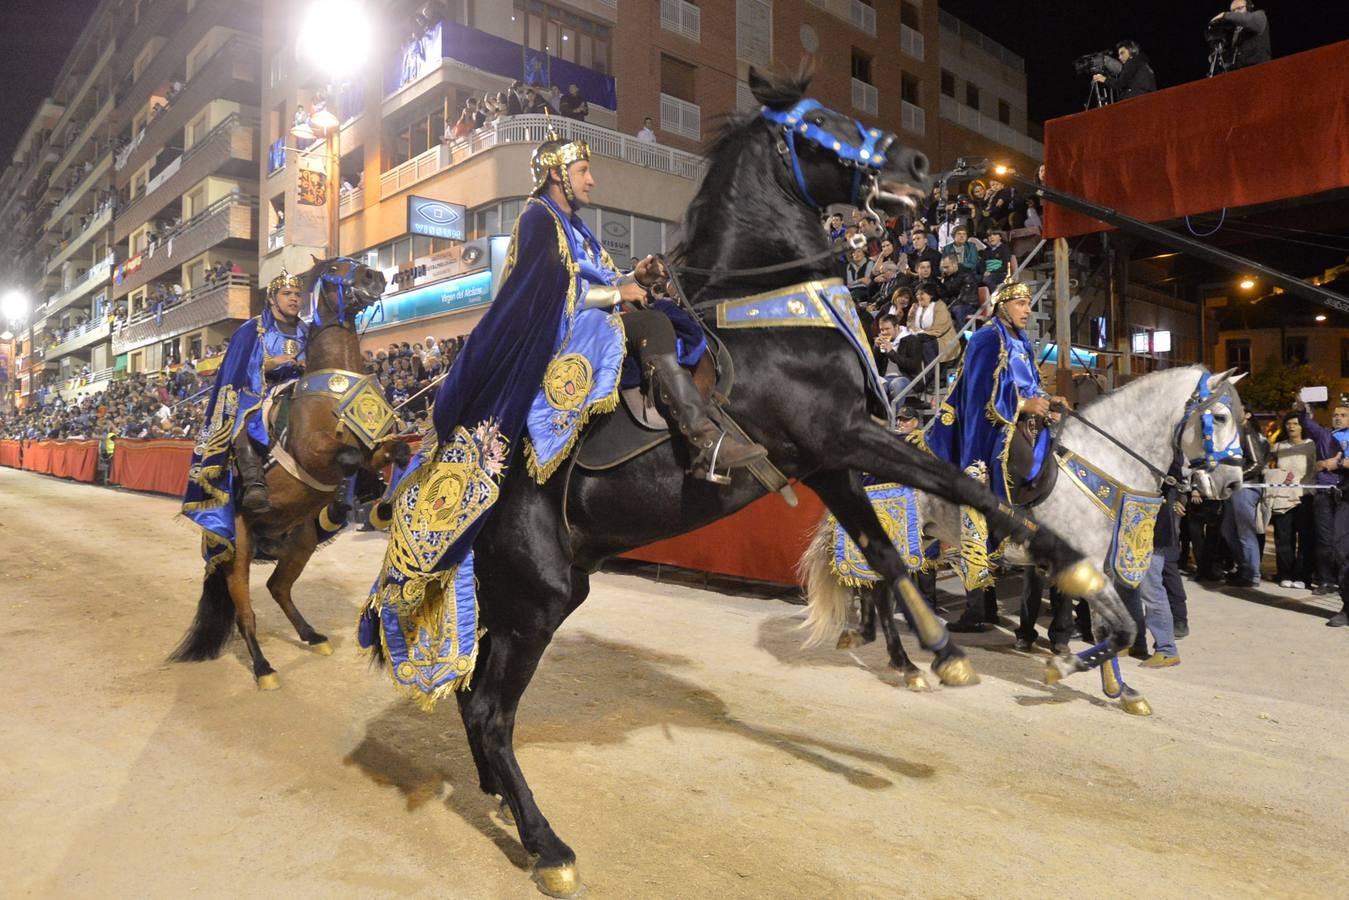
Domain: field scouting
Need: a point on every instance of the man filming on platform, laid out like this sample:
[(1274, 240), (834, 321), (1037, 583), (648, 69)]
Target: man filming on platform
[(1136, 78), (1248, 44)]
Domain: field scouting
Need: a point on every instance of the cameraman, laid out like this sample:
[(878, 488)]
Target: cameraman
[(1250, 33), (1136, 78)]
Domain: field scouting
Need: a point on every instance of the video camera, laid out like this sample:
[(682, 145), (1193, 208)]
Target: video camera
[(1103, 62)]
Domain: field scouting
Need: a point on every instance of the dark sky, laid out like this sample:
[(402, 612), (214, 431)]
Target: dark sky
[(1050, 34)]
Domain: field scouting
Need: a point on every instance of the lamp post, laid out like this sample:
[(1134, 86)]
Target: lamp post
[(326, 39)]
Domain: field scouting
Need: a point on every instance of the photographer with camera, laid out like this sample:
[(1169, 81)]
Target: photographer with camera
[(1135, 78), (1241, 36)]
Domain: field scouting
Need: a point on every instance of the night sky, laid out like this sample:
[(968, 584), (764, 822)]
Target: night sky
[(1050, 34)]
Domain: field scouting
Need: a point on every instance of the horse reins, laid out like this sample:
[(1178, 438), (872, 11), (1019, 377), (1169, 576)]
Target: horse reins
[(1166, 479)]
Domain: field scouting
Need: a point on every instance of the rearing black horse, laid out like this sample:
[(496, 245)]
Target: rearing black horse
[(801, 393)]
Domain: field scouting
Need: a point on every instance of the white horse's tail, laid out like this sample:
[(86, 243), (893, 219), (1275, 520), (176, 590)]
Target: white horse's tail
[(829, 601)]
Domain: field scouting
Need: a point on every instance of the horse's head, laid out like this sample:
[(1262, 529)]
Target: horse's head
[(342, 288), (1210, 437), (833, 158)]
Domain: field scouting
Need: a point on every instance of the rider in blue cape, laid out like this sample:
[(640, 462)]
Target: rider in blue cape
[(997, 410), (547, 356), (265, 352)]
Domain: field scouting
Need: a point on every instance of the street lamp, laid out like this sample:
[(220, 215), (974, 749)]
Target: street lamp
[(13, 310), (1246, 284), (335, 36), (14, 305)]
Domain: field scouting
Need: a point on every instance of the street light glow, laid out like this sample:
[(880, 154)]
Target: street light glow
[(14, 305), (1247, 284), (1321, 318), (336, 37)]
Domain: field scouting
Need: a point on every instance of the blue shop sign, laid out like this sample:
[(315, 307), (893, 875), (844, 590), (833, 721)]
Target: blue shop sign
[(451, 295), (436, 218)]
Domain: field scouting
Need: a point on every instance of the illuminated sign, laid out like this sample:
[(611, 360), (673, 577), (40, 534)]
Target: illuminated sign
[(451, 295), (436, 218), (1141, 342)]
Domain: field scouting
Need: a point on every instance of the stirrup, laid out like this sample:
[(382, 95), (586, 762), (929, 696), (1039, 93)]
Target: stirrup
[(711, 473)]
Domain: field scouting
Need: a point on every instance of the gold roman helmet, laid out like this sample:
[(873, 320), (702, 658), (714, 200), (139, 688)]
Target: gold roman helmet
[(1009, 290), (555, 153), (282, 281)]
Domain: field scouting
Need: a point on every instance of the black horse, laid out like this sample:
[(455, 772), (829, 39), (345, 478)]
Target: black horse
[(800, 392)]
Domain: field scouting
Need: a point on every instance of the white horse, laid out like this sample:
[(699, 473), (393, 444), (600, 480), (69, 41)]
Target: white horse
[(1130, 436)]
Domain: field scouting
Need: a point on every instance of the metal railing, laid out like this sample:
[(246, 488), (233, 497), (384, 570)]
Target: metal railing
[(350, 202), (276, 239), (201, 306), (78, 337), (165, 251), (532, 130), (967, 117), (96, 224)]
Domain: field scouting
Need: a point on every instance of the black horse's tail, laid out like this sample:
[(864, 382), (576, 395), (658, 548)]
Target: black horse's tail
[(213, 623)]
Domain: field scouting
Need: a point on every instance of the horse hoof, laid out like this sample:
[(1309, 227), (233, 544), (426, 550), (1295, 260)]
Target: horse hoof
[(1136, 705), (1081, 579), (558, 881), (849, 640), (1052, 673), (958, 672), (269, 682), (916, 681), (322, 648)]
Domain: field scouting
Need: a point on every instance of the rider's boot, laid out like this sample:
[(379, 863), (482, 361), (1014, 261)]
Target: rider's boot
[(713, 447), (253, 499)]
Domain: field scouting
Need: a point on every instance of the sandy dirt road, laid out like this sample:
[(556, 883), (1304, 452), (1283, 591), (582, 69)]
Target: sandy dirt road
[(679, 739)]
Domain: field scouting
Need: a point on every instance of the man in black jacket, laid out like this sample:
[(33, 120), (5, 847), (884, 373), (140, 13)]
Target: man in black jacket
[(1136, 78), (1250, 33)]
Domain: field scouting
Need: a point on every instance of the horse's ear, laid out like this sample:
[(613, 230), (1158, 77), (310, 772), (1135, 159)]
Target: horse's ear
[(1237, 377), (760, 87), (315, 259), (780, 94)]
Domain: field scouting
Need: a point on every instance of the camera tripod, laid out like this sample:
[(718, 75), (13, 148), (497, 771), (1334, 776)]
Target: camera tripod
[(1100, 95)]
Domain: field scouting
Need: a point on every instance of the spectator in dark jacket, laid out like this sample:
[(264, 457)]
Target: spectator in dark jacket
[(1136, 78)]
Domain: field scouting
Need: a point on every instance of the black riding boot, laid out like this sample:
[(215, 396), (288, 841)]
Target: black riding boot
[(253, 499), (713, 448)]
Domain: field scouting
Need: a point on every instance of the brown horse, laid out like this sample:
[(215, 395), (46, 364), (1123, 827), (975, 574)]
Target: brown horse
[(321, 447)]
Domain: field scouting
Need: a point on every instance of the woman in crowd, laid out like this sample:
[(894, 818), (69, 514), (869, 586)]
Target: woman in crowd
[(1292, 465)]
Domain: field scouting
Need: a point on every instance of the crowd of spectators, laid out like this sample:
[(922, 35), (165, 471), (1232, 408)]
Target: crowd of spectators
[(519, 99), (408, 372), (155, 405)]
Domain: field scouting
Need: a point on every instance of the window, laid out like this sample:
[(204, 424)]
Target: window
[(278, 68), (586, 41), (910, 30), (909, 89), (911, 15), (1004, 112), (1239, 354), (682, 18), (416, 137), (948, 83), (971, 95), (1295, 351), (861, 66), (754, 31), (676, 78)]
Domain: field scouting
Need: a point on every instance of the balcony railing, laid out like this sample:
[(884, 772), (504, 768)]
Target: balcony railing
[(912, 118), (233, 139), (683, 18), (865, 96), (202, 306), (350, 202), (229, 217), (532, 130), (78, 338), (911, 41), (863, 16), (681, 117), (68, 201), (276, 239), (97, 275), (100, 221), (992, 129), (86, 131)]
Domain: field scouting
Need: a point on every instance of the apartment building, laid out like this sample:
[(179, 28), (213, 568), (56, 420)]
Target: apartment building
[(134, 180)]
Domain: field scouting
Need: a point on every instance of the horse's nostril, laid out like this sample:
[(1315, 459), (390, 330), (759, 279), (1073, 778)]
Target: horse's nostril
[(919, 165)]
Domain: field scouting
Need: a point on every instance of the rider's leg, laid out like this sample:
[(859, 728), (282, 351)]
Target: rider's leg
[(651, 336), (253, 499)]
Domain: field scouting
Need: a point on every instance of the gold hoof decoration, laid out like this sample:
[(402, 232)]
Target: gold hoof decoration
[(558, 881), (849, 639), (958, 672), (322, 648), (1137, 705), (269, 682), (1052, 674), (917, 681), (1081, 579)]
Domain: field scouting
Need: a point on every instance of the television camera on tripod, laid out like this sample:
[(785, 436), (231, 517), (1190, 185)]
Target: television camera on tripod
[(1102, 62)]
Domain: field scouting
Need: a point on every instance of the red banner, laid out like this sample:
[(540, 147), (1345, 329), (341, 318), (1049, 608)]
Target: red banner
[(10, 454), (763, 541), (1261, 134), (64, 459), (159, 466)]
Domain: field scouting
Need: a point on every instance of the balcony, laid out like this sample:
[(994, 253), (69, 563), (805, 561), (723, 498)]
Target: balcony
[(912, 118), (682, 18), (862, 16), (911, 42), (865, 97), (531, 130), (992, 129), (68, 203), (230, 146), (229, 218), (352, 201), (200, 307), (681, 117), (80, 338), (96, 224), (276, 240), (228, 75), (75, 104), (96, 277), (75, 147)]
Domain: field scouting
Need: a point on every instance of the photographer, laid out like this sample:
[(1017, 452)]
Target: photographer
[(1249, 44), (1135, 79)]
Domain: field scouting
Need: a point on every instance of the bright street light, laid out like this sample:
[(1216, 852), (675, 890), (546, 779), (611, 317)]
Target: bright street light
[(336, 37), (1246, 284), (14, 306), (1320, 318)]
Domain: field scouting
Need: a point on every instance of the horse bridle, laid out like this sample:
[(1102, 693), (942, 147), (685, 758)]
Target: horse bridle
[(1202, 400), (342, 284)]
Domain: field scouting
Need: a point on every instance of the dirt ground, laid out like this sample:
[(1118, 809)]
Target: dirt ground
[(679, 739)]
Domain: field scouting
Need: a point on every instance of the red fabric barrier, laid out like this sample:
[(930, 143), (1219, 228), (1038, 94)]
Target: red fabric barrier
[(159, 466), (9, 454), (64, 459), (763, 541), (1266, 133)]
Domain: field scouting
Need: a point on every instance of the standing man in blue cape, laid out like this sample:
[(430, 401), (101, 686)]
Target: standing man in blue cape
[(996, 395), (266, 351), (547, 356)]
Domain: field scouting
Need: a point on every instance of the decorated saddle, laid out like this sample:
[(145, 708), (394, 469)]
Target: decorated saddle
[(896, 506), (1133, 512)]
